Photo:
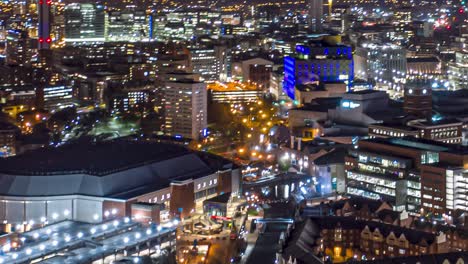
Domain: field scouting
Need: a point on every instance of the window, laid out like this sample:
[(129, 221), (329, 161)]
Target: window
[(429, 157), (401, 251)]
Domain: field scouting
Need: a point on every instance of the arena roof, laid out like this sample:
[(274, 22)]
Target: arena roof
[(117, 168)]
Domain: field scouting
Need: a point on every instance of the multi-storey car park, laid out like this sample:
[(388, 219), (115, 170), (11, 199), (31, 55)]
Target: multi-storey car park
[(78, 242)]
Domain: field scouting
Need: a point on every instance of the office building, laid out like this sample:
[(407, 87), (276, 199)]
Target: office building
[(320, 62), (129, 100), (205, 63), (185, 108), (127, 25), (412, 174), (57, 97), (384, 63), (18, 50), (186, 23), (443, 130), (315, 8), (458, 72), (84, 23)]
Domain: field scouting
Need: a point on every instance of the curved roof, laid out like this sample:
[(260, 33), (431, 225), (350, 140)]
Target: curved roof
[(119, 168)]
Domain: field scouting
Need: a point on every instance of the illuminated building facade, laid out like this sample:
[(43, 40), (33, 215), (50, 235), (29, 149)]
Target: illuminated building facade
[(318, 63), (18, 51), (129, 100), (458, 72), (234, 92), (205, 63), (184, 24), (56, 97), (443, 130), (127, 25), (185, 108), (384, 63), (412, 174), (84, 23)]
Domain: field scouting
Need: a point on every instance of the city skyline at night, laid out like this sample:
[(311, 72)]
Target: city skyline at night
[(229, 131)]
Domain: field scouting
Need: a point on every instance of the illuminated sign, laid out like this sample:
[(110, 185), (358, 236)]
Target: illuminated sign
[(349, 104)]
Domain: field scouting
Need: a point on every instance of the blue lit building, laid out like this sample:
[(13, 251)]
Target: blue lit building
[(321, 62)]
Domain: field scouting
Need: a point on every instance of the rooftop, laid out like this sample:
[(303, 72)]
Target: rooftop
[(96, 158), (120, 169), (420, 144)]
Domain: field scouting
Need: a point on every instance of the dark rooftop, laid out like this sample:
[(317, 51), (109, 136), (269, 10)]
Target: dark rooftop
[(95, 158), (333, 157), (410, 142)]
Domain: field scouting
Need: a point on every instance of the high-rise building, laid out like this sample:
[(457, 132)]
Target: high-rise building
[(315, 15), (204, 62), (185, 108), (18, 52), (84, 23), (384, 63), (44, 39), (126, 25)]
